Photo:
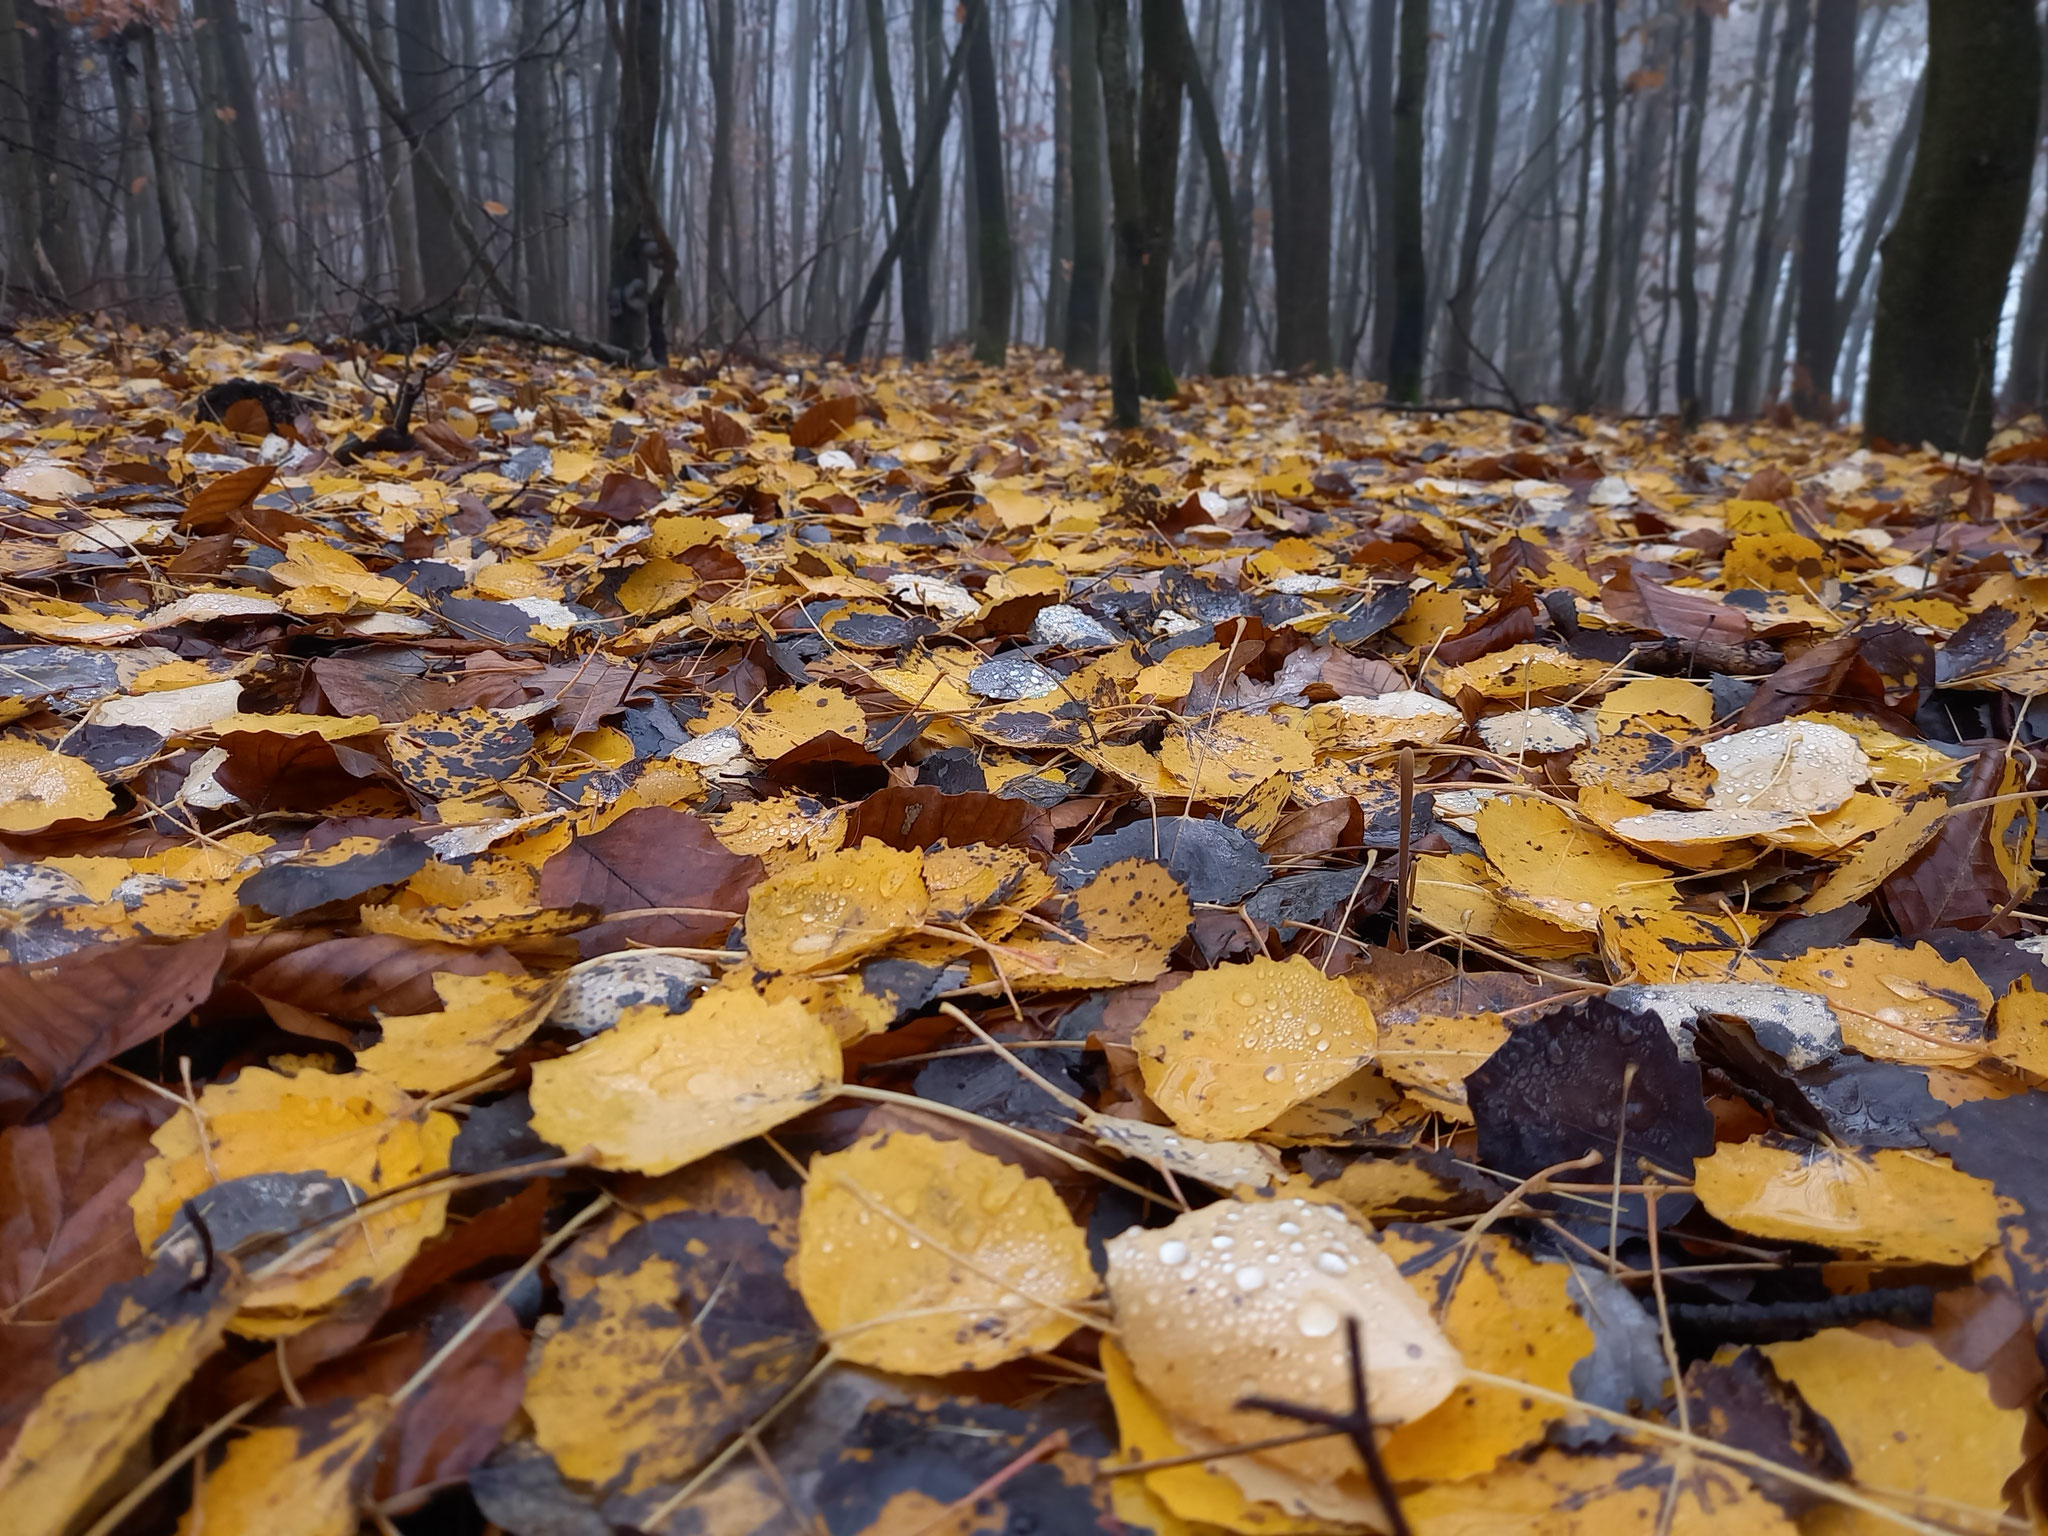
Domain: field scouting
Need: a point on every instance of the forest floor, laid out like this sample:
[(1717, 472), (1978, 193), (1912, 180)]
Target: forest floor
[(781, 952)]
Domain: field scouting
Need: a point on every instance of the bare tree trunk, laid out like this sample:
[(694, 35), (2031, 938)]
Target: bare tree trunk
[(1163, 29), (1456, 376), (805, 40), (17, 157), (1947, 260), (1857, 297), (2023, 384), (1301, 225), (917, 324), (1083, 342), (1646, 161), (164, 174), (635, 319), (251, 164), (1701, 58), (1059, 271), (1411, 279), (1599, 302), (46, 49), (422, 68), (992, 253), (537, 284), (397, 196), (1756, 313), (1223, 358), (934, 113), (1820, 237), (1113, 22), (1380, 29), (721, 275)]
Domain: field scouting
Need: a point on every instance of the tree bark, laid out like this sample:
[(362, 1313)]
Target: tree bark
[(46, 48), (1411, 279), (635, 319), (17, 158), (1605, 102), (164, 174), (1457, 368), (1091, 260), (2030, 325), (1060, 264), (1113, 22), (251, 163), (1877, 219), (1163, 29), (1223, 357), (1731, 237), (1381, 25), (993, 256), (1820, 235), (421, 80), (1752, 336), (1701, 58), (917, 323), (640, 92), (1301, 223), (1946, 262), (537, 284)]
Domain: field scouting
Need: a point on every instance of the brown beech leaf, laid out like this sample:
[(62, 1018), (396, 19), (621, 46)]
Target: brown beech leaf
[(214, 504), (653, 860), (355, 980), (64, 1017), (824, 421)]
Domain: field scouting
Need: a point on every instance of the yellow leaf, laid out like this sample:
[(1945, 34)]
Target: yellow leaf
[(837, 908), (1235, 753), (927, 1257), (1661, 947), (1691, 702), (1898, 1004), (1775, 562), (482, 1020), (2019, 1028), (659, 1089), (1911, 1422), (1899, 1207), (1554, 867), (1230, 1050), (1530, 673), (1433, 1054), (39, 788), (1879, 859), (1454, 894), (352, 1125), (1505, 1313), (138, 1348), (789, 717), (1615, 1493), (300, 1476)]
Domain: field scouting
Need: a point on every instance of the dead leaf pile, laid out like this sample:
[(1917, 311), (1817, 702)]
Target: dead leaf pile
[(789, 952)]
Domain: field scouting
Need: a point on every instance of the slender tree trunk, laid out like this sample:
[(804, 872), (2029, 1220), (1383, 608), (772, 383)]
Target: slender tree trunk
[(164, 174), (1119, 133), (928, 36), (46, 49), (1947, 260), (252, 167), (634, 318), (1059, 271), (1163, 29), (1607, 105), (804, 39), (233, 304), (917, 324), (536, 284), (1456, 376), (1411, 280), (1380, 30), (397, 197), (1649, 143), (721, 275), (1701, 58), (1223, 358), (1820, 236), (1301, 222), (1731, 238), (1857, 298), (2030, 327), (422, 83), (1083, 343), (18, 162), (993, 256), (1752, 335)]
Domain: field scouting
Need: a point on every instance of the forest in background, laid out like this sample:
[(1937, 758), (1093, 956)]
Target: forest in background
[(1629, 205)]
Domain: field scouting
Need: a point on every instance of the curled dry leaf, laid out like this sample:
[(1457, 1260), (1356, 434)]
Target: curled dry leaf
[(926, 1256)]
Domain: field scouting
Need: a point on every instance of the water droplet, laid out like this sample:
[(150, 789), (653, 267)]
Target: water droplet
[(1274, 1074), (1247, 998), (1173, 1252), (1333, 1263), (1250, 1278), (1288, 1228), (1221, 1242), (1316, 1320)]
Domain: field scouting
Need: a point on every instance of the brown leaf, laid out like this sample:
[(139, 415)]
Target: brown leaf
[(213, 504), (654, 859), (623, 498), (358, 979), (1956, 881), (1830, 676), (919, 816), (1635, 599), (64, 1017), (824, 421), (720, 431), (1510, 621)]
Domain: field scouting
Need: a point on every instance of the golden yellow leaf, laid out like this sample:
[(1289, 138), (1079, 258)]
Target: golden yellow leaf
[(483, 1019), (1661, 947), (1431, 1056), (659, 1089), (1118, 928), (927, 1256), (837, 908), (1877, 860), (789, 717), (1226, 757), (1900, 1207), (349, 1125), (1554, 867), (1692, 703), (2020, 1028), (300, 1476), (1775, 562), (1625, 1493), (1505, 1313), (39, 788), (123, 1362), (1230, 1050), (1897, 1003), (1531, 673), (1455, 893), (1911, 1422)]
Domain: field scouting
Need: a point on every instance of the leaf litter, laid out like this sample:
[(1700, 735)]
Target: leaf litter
[(802, 952)]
